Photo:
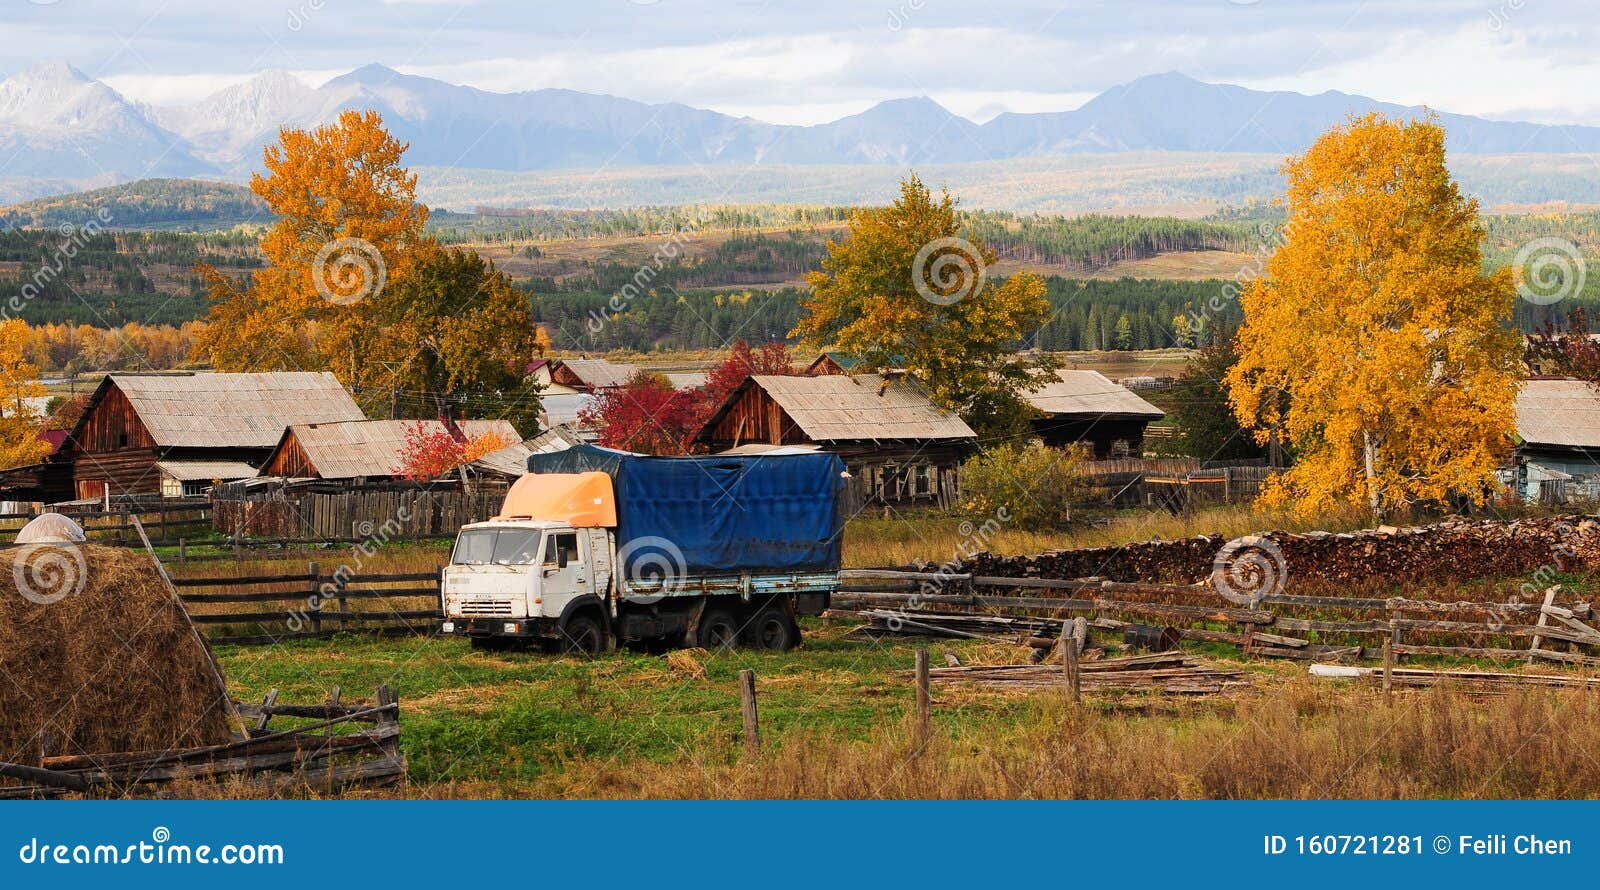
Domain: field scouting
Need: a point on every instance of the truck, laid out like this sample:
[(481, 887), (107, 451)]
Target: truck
[(595, 547)]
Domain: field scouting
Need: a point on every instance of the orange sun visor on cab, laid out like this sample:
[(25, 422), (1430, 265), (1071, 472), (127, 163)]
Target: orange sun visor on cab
[(582, 500)]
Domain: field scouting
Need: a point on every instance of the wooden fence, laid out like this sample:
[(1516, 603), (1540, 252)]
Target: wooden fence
[(310, 604), (388, 513), (1279, 625)]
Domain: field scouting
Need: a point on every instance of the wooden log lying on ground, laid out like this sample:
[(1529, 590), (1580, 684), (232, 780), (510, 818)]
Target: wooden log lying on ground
[(1420, 677), (1164, 672)]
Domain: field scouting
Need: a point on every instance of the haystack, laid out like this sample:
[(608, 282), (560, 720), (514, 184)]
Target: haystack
[(96, 657)]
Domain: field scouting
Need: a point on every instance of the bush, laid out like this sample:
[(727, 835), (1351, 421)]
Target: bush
[(1036, 486)]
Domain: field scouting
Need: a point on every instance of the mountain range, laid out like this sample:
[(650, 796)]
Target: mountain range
[(60, 128)]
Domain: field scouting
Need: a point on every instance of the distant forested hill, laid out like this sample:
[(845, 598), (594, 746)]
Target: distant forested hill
[(190, 205)]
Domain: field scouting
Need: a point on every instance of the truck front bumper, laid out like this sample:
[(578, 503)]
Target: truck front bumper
[(522, 628)]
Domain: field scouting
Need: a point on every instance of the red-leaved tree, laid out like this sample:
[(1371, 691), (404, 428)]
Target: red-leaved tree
[(645, 415), (431, 451), (771, 359)]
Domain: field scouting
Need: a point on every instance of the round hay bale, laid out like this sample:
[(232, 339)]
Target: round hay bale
[(51, 528), (98, 658)]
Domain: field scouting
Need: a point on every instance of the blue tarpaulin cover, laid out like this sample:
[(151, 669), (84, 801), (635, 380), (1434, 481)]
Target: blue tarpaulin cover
[(745, 513)]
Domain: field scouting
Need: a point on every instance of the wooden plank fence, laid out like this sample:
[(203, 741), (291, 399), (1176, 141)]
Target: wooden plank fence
[(396, 513), (964, 606), (310, 604)]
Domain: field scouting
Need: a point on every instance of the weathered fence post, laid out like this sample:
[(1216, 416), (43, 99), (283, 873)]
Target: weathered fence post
[(1388, 668), (1069, 666), (314, 599), (747, 704), (183, 551), (924, 698)]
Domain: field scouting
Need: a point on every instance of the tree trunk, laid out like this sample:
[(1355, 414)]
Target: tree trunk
[(1369, 452)]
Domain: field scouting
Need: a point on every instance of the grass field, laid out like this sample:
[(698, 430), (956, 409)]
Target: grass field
[(836, 719)]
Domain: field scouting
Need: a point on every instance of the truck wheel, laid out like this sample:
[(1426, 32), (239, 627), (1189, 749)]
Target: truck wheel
[(582, 633), (719, 629), (772, 629)]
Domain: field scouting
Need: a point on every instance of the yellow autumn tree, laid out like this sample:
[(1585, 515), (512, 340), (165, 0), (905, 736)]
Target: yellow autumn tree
[(1373, 339), (905, 290), (348, 221), (20, 418)]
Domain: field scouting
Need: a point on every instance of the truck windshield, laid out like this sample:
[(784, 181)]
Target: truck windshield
[(501, 547)]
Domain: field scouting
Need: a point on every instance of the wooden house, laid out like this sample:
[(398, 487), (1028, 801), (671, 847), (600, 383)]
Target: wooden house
[(362, 450), (1558, 442), (133, 422), (840, 363), (898, 447), (1087, 407), (584, 375)]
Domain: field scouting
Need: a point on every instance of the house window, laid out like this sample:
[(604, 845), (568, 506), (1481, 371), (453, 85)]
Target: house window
[(922, 480)]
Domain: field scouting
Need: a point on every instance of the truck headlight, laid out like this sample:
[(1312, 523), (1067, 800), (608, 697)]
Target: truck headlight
[(449, 627), (511, 627)]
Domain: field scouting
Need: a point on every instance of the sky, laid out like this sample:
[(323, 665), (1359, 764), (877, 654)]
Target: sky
[(818, 60)]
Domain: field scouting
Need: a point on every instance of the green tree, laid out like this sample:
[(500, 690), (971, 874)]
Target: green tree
[(903, 289), (1206, 427)]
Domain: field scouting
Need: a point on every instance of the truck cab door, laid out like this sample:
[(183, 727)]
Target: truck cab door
[(564, 570)]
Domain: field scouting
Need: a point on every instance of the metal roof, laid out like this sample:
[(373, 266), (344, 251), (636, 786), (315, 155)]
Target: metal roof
[(864, 407), (231, 410), (206, 470), (1089, 393), (372, 447), (1559, 413), (599, 373), (512, 460)]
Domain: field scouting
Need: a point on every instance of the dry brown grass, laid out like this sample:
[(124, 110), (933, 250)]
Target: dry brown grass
[(1303, 739)]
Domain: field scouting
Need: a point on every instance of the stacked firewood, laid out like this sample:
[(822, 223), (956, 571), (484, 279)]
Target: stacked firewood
[(1453, 550)]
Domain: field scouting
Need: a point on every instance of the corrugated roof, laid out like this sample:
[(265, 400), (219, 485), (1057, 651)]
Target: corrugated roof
[(206, 470), (599, 373), (1091, 393), (233, 410), (1559, 413), (512, 460), (372, 447), (835, 408)]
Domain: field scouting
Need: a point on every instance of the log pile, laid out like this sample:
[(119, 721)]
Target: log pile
[(1168, 673), (1454, 550)]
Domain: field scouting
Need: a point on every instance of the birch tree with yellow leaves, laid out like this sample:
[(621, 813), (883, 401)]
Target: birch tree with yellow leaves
[(1373, 340)]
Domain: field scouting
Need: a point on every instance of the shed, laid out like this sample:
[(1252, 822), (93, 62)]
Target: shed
[(1088, 407), (589, 374), (1558, 447), (897, 445), (360, 449), (187, 478), (132, 421)]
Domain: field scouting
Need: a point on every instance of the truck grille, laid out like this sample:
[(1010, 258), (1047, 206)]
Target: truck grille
[(485, 608)]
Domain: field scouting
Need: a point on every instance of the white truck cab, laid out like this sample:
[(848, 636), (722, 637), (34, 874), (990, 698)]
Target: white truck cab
[(521, 577)]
